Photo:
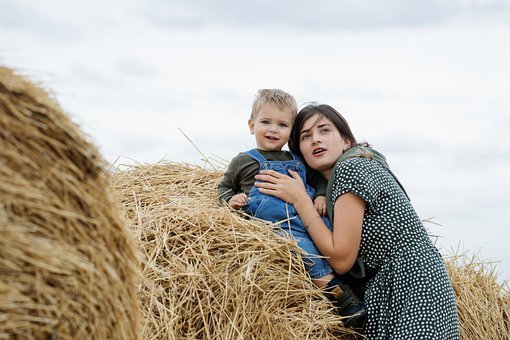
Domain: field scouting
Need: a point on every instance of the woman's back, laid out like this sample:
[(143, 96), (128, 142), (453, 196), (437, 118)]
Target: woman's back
[(410, 295)]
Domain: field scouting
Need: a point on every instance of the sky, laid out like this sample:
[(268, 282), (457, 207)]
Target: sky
[(426, 82)]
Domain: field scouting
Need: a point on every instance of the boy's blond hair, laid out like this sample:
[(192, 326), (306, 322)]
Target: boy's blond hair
[(279, 98)]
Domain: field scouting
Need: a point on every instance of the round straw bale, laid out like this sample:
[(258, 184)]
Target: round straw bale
[(211, 273), (483, 303), (68, 265)]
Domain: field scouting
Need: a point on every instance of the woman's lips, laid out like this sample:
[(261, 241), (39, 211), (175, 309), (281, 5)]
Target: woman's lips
[(318, 151)]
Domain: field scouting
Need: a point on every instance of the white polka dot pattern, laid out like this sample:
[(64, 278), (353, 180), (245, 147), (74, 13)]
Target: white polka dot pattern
[(410, 295)]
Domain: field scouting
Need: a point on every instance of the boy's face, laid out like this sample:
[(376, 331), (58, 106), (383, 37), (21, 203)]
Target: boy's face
[(271, 127)]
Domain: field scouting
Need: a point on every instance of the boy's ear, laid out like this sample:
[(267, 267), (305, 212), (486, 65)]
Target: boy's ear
[(251, 125)]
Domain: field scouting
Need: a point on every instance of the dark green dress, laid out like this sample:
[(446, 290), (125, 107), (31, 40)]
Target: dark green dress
[(410, 295)]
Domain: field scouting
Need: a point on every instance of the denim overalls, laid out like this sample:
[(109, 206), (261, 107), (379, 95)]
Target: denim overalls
[(273, 209)]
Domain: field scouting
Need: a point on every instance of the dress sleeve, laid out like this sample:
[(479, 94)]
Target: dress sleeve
[(355, 175)]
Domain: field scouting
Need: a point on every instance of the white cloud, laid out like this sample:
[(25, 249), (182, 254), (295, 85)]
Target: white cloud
[(430, 90), (318, 15)]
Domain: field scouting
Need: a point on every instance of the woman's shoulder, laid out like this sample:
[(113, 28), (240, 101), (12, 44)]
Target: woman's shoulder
[(361, 155), (352, 163), (356, 168)]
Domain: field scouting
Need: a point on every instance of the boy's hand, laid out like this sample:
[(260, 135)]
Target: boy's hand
[(238, 201), (320, 205)]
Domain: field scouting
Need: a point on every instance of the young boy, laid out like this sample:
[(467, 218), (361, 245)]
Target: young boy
[(271, 120)]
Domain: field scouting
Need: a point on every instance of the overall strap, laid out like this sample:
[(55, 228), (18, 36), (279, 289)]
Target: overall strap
[(295, 157), (255, 154)]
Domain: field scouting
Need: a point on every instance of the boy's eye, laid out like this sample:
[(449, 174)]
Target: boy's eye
[(283, 125)]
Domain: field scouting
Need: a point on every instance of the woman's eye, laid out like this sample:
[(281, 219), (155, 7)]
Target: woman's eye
[(325, 130), (305, 137)]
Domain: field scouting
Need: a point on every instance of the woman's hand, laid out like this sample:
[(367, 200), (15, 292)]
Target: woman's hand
[(287, 188)]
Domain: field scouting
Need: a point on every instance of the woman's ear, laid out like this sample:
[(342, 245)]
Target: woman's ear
[(251, 125), (347, 144)]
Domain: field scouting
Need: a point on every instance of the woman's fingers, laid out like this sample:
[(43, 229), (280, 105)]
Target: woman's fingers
[(264, 184), (270, 172), (294, 174), (268, 177)]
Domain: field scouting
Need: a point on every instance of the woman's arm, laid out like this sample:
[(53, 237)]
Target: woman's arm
[(340, 246), (347, 225)]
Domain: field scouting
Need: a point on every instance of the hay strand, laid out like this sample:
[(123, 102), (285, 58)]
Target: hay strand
[(483, 303), (68, 268), (210, 273)]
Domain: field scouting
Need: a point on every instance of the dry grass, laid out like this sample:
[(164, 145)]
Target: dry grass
[(67, 264), (210, 273), (483, 303), (69, 268)]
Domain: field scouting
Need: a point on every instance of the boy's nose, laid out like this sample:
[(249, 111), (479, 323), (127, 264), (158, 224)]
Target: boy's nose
[(274, 128)]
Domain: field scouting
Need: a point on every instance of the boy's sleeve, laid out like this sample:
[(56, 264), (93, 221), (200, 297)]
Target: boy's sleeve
[(229, 184), (317, 181)]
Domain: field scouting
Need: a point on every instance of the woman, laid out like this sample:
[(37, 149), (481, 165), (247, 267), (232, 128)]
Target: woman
[(409, 295)]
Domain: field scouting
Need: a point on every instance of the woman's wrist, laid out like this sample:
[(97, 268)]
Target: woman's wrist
[(306, 210), (309, 223), (302, 202)]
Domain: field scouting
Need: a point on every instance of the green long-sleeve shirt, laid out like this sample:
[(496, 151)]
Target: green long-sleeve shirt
[(240, 174)]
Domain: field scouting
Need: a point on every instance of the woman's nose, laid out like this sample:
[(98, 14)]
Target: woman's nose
[(315, 138)]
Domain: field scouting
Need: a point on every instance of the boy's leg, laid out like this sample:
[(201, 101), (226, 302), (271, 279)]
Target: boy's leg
[(323, 281), (346, 302), (342, 297), (315, 264)]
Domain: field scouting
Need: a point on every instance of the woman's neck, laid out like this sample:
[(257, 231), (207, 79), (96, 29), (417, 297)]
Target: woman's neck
[(326, 173)]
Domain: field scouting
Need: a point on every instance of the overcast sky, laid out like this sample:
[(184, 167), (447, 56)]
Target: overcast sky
[(427, 82)]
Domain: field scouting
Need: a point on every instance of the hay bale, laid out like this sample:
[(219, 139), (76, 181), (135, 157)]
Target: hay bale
[(208, 272), (67, 264), (483, 303)]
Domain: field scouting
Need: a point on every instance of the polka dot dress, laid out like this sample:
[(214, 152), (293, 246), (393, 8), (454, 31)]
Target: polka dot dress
[(410, 296)]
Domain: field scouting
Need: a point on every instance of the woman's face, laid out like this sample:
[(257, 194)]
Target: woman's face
[(321, 144)]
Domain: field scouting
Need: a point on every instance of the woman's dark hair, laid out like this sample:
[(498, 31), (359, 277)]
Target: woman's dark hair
[(323, 110)]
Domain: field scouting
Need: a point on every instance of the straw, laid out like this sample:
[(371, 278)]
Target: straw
[(211, 273), (483, 302), (68, 265)]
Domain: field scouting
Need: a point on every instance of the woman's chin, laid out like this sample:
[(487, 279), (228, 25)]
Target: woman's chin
[(320, 164), (316, 164)]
